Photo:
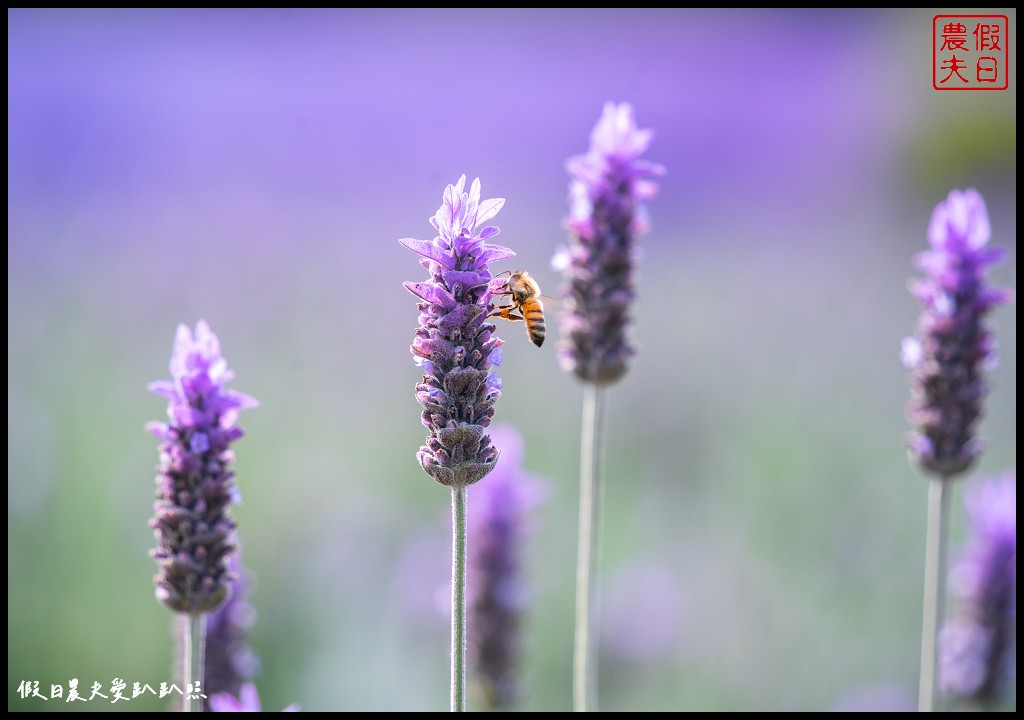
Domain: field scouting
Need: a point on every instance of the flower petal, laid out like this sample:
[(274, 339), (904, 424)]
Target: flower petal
[(493, 253), (488, 209), (432, 293), (428, 250)]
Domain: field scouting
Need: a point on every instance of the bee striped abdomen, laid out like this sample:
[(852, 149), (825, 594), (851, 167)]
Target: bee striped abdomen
[(533, 313)]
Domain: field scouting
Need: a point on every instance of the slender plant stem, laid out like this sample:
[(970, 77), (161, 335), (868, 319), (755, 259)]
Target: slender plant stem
[(934, 595), (195, 656), (458, 598), (584, 676)]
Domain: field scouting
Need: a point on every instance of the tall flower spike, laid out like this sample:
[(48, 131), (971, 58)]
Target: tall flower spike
[(975, 645), (497, 588), (952, 344), (608, 187), (195, 485), (454, 344), (230, 659)]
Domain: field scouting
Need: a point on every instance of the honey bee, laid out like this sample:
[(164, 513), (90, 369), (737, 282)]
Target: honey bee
[(524, 293)]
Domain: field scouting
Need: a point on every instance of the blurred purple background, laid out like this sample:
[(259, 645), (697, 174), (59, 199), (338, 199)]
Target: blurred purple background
[(256, 168)]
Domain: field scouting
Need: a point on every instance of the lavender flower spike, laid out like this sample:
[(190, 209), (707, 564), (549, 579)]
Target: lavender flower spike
[(608, 187), (952, 345), (230, 660), (497, 589), (195, 485), (975, 645), (454, 344)]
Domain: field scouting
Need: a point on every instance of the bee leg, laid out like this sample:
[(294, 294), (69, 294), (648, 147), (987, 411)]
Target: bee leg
[(505, 311)]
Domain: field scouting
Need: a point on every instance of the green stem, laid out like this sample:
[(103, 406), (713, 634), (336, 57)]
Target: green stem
[(195, 656), (584, 677), (458, 599), (934, 595)]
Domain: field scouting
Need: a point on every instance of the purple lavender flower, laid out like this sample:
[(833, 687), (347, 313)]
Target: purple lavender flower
[(230, 660), (975, 645), (952, 345), (454, 344), (606, 194), (248, 700), (195, 485), (497, 590)]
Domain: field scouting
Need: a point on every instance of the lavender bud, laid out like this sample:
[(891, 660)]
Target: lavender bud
[(606, 194), (454, 344), (195, 484), (975, 645), (952, 344), (496, 587)]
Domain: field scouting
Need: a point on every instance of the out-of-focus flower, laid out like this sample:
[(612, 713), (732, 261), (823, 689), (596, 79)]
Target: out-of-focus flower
[(877, 697), (976, 644), (607, 191), (195, 485), (497, 588), (422, 579), (454, 344), (643, 613), (248, 700), (230, 660), (952, 345)]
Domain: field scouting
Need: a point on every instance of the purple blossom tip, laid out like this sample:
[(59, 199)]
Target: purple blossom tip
[(976, 644), (952, 345), (454, 344), (248, 700), (195, 485), (607, 191)]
